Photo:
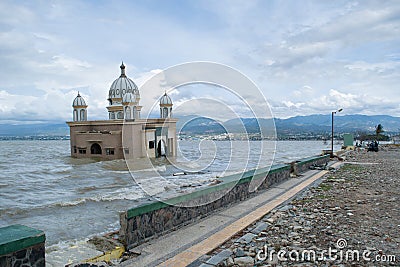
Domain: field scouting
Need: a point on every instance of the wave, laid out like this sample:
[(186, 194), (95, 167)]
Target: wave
[(123, 172), (12, 211), (71, 203), (152, 169), (61, 170), (120, 194), (113, 165), (133, 194), (86, 189), (65, 252)]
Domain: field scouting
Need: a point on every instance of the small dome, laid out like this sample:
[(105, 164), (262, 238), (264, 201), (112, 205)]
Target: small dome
[(79, 101), (122, 86), (129, 98), (165, 100)]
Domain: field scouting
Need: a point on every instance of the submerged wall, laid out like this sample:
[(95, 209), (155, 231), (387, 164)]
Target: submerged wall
[(151, 219), (21, 246)]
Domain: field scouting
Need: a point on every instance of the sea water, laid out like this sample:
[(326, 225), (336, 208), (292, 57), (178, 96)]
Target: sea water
[(41, 186)]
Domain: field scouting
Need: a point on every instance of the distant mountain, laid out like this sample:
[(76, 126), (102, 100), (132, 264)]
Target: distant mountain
[(346, 123), (251, 125), (193, 125), (199, 125), (300, 124), (60, 129)]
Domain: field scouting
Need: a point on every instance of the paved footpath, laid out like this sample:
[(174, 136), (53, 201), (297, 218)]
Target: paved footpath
[(189, 245)]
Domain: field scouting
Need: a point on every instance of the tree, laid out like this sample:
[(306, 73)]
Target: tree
[(379, 130)]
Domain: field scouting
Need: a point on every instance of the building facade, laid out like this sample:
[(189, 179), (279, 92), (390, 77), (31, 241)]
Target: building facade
[(124, 134)]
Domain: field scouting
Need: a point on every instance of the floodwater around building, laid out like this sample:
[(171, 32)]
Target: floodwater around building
[(70, 199)]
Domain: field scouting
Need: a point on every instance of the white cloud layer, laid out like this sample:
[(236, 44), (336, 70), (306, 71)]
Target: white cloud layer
[(306, 56)]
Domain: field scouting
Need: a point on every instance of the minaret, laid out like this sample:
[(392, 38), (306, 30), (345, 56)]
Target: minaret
[(79, 105), (165, 106), (119, 88), (129, 103)]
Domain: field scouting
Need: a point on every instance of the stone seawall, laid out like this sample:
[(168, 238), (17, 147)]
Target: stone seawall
[(21, 246), (152, 219)]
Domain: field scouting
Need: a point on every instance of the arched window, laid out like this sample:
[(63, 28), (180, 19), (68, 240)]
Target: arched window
[(95, 149), (165, 112), (120, 115), (82, 117), (75, 115), (127, 113)]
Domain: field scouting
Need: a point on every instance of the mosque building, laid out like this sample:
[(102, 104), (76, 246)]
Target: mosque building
[(125, 134)]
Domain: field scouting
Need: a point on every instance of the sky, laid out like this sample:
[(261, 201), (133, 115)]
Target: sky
[(306, 57)]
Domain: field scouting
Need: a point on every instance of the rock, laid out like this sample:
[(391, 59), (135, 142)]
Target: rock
[(284, 242), (285, 208), (239, 252), (230, 262), (244, 261), (293, 235), (269, 220), (297, 228), (261, 226), (251, 254), (247, 238), (261, 239)]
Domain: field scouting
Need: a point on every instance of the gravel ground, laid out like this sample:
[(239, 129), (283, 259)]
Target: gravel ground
[(352, 218)]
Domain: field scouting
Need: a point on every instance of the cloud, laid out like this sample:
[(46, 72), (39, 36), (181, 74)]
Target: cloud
[(30, 108), (378, 67), (358, 25), (350, 103), (307, 57), (305, 91)]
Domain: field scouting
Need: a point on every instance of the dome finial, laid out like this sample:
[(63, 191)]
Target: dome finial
[(122, 69), (79, 101)]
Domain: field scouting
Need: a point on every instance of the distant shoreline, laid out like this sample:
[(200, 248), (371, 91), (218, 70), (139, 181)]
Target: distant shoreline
[(62, 137), (33, 138)]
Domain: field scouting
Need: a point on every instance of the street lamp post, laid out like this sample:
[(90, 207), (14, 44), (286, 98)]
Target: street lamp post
[(333, 113)]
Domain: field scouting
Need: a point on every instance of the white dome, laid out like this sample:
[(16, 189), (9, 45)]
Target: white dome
[(79, 101), (129, 98), (122, 86), (165, 100)]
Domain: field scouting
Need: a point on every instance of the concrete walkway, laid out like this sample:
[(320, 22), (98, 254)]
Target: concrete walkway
[(186, 245)]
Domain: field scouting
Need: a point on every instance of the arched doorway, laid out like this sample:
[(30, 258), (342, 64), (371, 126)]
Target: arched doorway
[(161, 149), (95, 149)]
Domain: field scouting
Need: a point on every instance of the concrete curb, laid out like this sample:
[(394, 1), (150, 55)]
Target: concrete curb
[(191, 254)]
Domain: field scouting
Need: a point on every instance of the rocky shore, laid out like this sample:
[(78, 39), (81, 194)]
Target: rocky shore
[(352, 218)]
